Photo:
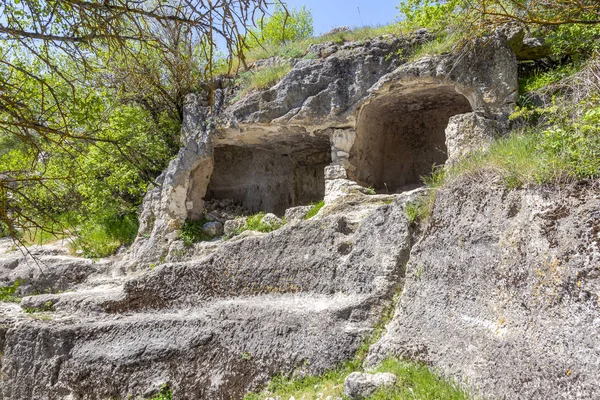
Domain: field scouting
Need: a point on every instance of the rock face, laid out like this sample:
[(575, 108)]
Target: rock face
[(361, 107), (503, 291), (501, 287), (302, 297)]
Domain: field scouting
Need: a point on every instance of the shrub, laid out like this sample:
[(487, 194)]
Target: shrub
[(436, 15)]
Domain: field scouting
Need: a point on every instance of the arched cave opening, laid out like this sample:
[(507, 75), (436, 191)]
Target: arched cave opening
[(271, 178), (401, 135)]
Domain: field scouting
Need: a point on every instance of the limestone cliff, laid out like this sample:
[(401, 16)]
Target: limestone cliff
[(499, 289)]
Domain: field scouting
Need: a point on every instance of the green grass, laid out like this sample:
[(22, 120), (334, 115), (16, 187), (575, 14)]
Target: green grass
[(414, 381), (413, 211), (263, 78), (538, 80), (7, 293), (103, 238), (442, 43), (164, 393), (314, 209), (255, 223), (191, 232), (299, 48)]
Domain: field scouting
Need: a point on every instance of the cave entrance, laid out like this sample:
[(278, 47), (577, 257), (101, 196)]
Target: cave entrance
[(270, 179), (401, 135)]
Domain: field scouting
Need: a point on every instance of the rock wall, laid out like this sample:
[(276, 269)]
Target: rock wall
[(503, 292), (360, 106), (500, 290), (298, 299)]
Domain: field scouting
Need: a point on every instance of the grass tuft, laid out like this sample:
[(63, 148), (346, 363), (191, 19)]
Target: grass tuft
[(263, 78), (191, 232), (255, 223), (314, 209), (442, 43), (412, 377), (46, 307)]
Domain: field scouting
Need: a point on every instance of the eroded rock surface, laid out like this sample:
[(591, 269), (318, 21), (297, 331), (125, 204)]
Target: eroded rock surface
[(302, 297), (503, 292)]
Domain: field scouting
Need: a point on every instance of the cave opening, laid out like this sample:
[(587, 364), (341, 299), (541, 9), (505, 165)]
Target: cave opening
[(400, 136), (270, 179)]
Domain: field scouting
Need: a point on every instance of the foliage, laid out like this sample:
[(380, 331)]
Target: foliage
[(7, 293), (576, 40), (282, 26), (164, 393), (104, 235), (192, 232), (69, 70), (298, 48), (442, 43), (538, 80), (436, 15), (314, 209), (413, 211), (263, 78), (564, 149), (46, 307), (536, 12)]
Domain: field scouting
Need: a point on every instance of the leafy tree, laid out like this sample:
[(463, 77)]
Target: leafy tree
[(537, 12), (437, 15), (283, 26), (90, 99)]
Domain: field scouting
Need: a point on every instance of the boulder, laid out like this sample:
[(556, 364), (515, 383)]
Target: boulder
[(272, 221), (359, 385), (213, 228), (234, 225), (296, 214)]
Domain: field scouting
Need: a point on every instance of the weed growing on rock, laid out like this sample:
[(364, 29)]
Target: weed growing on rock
[(370, 191), (314, 209), (165, 393), (192, 232), (256, 223), (7, 293), (46, 307), (263, 78)]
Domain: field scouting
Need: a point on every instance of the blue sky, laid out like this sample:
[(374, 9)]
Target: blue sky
[(328, 14)]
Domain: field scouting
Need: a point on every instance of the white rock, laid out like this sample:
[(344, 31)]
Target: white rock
[(359, 385), (271, 220), (213, 228), (234, 225)]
